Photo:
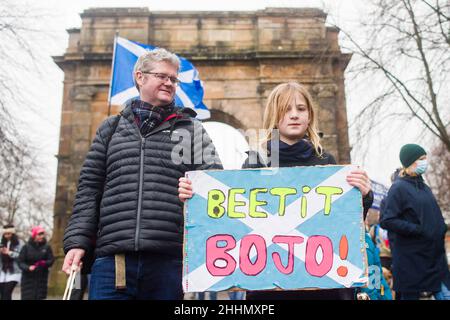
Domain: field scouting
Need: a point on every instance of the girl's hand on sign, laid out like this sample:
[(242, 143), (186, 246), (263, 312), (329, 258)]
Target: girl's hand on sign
[(185, 189), (359, 179)]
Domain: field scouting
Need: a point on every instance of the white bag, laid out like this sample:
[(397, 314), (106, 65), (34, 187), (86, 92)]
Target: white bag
[(70, 282)]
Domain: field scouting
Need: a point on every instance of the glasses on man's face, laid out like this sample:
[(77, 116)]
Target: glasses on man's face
[(41, 234), (163, 77)]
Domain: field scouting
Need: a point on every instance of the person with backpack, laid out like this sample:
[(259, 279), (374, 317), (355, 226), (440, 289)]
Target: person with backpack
[(126, 208)]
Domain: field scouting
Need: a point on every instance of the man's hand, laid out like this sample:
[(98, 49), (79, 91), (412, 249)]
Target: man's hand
[(73, 258), (185, 189), (32, 268)]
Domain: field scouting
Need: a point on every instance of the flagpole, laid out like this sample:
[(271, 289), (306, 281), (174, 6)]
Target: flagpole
[(112, 71)]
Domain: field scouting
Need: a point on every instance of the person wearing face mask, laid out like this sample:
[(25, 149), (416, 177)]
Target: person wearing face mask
[(290, 109), (413, 215)]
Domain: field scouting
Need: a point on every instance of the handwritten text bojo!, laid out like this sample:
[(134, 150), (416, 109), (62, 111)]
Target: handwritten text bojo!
[(218, 246)]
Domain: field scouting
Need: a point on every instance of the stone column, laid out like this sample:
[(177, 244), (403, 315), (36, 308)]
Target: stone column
[(341, 110), (325, 97)]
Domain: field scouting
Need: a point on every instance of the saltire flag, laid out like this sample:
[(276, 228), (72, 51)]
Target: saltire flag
[(189, 92), (227, 246)]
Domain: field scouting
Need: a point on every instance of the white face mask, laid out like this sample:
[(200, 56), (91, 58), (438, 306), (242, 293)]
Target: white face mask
[(422, 166)]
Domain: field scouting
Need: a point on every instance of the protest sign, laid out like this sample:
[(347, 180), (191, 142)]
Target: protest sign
[(297, 228)]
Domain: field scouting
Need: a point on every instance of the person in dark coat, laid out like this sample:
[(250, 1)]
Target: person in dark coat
[(126, 208), (290, 110), (413, 215), (35, 258)]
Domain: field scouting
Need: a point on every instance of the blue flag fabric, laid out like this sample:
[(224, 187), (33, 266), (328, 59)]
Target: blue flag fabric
[(189, 92)]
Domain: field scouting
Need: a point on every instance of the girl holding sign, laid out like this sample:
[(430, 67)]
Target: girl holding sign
[(291, 113)]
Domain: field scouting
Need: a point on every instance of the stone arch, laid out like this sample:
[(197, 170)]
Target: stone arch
[(221, 116), (230, 143)]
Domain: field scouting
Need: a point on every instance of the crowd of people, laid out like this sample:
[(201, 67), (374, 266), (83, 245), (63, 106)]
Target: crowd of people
[(126, 228)]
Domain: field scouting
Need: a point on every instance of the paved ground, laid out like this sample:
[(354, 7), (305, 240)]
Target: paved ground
[(16, 293), (187, 296)]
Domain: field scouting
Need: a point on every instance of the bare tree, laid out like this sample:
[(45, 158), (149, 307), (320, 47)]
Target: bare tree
[(17, 57), (402, 55), (23, 195)]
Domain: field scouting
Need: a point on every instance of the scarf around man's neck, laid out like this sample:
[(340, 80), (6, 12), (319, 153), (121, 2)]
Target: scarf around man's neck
[(148, 117)]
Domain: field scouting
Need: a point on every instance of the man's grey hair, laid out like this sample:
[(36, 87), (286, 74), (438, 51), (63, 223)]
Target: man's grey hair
[(147, 61)]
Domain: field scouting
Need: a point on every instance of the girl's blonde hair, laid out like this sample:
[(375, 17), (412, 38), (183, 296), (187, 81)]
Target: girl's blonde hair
[(277, 105), (405, 172), (402, 173)]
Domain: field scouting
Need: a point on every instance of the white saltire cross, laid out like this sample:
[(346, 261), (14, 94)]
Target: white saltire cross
[(200, 279)]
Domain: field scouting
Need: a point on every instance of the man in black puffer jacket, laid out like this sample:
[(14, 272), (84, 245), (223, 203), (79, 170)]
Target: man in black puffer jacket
[(126, 205)]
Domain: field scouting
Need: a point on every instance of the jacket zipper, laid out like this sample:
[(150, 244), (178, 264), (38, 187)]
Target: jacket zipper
[(141, 178), (141, 182)]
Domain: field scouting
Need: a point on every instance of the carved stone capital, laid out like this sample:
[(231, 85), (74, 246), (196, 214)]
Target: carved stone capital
[(83, 93), (327, 90)]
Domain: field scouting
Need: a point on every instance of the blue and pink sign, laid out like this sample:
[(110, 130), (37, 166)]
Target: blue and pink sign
[(273, 228)]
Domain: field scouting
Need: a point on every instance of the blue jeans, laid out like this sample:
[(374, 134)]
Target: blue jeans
[(212, 295), (148, 277), (444, 294), (236, 295)]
